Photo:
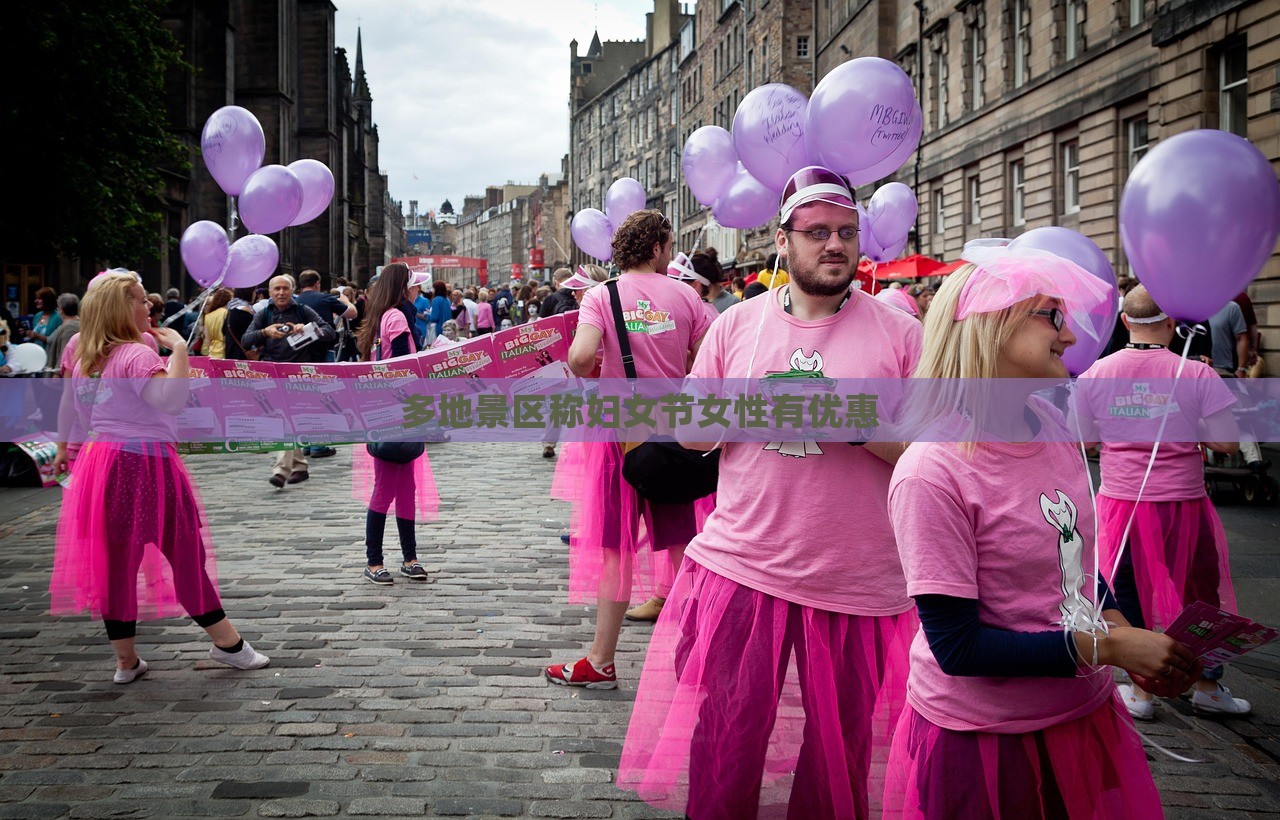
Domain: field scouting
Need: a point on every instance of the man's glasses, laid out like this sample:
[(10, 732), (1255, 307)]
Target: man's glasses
[(1055, 316), (846, 233)]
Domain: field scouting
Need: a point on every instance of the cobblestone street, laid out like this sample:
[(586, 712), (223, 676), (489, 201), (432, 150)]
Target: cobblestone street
[(415, 699)]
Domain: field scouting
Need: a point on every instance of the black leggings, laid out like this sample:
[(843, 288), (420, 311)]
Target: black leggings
[(120, 630)]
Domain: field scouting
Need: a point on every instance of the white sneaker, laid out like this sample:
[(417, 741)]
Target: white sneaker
[(246, 658), (130, 675), (1140, 709), (1219, 702)]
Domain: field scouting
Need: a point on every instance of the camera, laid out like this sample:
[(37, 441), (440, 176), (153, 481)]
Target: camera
[(286, 329)]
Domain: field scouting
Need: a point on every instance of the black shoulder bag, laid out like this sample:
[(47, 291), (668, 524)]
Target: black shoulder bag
[(660, 469)]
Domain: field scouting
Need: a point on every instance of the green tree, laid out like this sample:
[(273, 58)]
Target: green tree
[(84, 126)]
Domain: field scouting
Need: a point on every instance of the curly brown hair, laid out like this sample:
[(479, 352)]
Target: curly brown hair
[(634, 240)]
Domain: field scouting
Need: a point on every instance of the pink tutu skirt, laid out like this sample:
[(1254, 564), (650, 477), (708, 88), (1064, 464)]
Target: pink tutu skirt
[(133, 543), (566, 484), (1091, 768), (1179, 553), (616, 535), (379, 485), (751, 706)]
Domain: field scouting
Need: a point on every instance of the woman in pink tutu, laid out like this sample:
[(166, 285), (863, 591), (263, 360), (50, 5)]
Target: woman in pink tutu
[(1175, 552), (1012, 711), (607, 548), (384, 334), (566, 484), (132, 538)]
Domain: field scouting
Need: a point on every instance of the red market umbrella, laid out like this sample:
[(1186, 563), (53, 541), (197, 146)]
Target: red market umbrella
[(911, 267)]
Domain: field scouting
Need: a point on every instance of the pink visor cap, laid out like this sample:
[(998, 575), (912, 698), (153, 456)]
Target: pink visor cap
[(899, 298), (682, 269), (815, 184), (579, 281)]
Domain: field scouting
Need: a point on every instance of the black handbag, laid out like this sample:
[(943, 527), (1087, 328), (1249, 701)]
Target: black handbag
[(396, 452), (660, 469)]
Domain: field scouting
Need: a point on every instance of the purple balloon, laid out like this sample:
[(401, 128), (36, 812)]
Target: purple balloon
[(768, 133), (746, 203), (317, 188), (592, 233), (204, 250), (271, 200), (893, 211), (233, 146), (860, 113), (624, 197), (1080, 249), (709, 162), (887, 167), (1198, 218), (252, 259)]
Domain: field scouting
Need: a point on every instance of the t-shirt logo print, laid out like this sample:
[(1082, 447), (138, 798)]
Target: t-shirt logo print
[(804, 376), (1062, 516), (648, 319)]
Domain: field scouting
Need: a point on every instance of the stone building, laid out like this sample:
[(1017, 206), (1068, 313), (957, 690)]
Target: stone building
[(1036, 111), (279, 61), (623, 111), (728, 48)]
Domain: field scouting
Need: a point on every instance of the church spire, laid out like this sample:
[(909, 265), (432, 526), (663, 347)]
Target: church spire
[(596, 49), (361, 91)]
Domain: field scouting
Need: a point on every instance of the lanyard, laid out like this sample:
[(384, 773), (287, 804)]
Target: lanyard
[(786, 301), (1145, 346)]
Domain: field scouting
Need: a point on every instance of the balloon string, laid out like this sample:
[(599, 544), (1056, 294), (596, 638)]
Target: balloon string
[(233, 220)]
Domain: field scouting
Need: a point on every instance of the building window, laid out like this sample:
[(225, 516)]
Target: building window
[(1071, 177), (675, 111), (1021, 42), (802, 47), (938, 78), (617, 152), (764, 57), (1074, 29), (975, 200), (1137, 12), (1018, 191), (751, 67), (1136, 143), (1233, 89), (939, 212), (975, 54), (675, 165)]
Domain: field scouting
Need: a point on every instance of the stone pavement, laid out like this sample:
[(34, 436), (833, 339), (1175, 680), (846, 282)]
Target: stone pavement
[(402, 701)]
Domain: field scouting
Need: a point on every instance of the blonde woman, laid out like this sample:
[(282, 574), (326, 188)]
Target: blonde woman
[(215, 319), (132, 537), (1012, 711)]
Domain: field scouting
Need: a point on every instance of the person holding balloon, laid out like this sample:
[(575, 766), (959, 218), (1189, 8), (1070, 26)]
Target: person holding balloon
[(1008, 716), (131, 508)]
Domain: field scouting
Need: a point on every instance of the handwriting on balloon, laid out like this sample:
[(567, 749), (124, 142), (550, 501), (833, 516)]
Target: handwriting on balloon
[(785, 117), (893, 124)]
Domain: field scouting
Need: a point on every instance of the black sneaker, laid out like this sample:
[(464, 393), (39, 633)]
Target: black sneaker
[(276, 480), (323, 452), (414, 572), (381, 577)]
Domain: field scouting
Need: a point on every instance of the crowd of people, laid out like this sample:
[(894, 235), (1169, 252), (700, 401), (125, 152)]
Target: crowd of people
[(942, 645)]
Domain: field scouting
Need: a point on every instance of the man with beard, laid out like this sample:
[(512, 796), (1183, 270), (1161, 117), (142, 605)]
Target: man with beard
[(796, 563)]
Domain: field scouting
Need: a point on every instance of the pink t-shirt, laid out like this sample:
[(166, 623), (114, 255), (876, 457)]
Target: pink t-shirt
[(807, 522), (1012, 527), (112, 407), (664, 318), (67, 366), (484, 316), (393, 324), (1178, 472)]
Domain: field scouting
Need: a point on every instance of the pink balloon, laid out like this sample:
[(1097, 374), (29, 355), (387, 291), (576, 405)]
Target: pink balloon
[(746, 203), (271, 200), (252, 259), (317, 188), (860, 113), (709, 163), (204, 249), (624, 197), (894, 161), (592, 233), (233, 146), (892, 210), (768, 133)]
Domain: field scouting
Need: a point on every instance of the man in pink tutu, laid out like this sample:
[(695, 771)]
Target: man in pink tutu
[(793, 592), (1175, 551), (664, 328)]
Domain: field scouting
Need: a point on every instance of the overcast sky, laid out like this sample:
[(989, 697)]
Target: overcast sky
[(469, 93)]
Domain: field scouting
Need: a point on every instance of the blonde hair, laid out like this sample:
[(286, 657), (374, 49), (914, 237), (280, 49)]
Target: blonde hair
[(595, 273), (965, 352), (106, 320)]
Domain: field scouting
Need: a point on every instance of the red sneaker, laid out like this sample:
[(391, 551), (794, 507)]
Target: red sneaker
[(583, 673)]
